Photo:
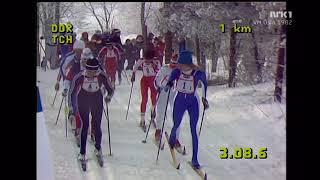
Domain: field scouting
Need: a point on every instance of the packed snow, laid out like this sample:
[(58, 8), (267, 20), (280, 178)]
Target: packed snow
[(241, 116)]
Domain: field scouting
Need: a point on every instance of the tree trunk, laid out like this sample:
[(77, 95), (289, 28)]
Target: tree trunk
[(198, 50), (232, 62), (38, 38), (168, 49), (257, 59), (203, 61), (280, 68), (142, 17), (57, 13), (50, 47), (143, 25), (214, 56)]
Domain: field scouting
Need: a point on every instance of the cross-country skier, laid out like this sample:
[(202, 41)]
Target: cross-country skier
[(90, 100), (116, 40), (76, 67), (160, 82), (187, 78), (108, 58), (150, 67)]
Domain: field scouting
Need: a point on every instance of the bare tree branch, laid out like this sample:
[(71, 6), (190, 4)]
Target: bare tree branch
[(66, 9), (91, 8)]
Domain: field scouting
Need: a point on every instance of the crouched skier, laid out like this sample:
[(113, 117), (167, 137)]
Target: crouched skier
[(90, 100)]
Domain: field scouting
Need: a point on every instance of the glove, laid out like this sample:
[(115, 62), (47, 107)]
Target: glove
[(168, 86), (65, 92), (205, 103), (56, 87), (133, 78), (107, 99)]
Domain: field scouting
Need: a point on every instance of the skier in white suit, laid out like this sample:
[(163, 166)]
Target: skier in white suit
[(160, 82)]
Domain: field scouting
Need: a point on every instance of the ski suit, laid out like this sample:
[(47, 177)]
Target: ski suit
[(187, 100), (109, 59), (149, 70), (161, 80), (90, 100)]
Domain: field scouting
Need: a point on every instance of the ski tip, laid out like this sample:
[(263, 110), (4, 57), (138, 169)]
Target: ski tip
[(178, 167), (184, 150), (205, 176)]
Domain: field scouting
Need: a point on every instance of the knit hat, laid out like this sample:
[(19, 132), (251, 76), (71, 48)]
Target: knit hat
[(185, 57), (78, 44), (92, 64)]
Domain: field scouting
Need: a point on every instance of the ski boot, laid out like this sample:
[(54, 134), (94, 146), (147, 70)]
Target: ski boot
[(142, 123), (83, 161), (157, 135), (179, 148), (99, 156)]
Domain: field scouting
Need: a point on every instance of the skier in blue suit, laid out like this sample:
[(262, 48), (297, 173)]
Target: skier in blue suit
[(187, 78)]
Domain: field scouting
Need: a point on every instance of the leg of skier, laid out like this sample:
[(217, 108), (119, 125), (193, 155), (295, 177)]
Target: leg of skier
[(171, 101), (84, 110), (144, 100), (179, 108), (193, 110), (160, 108), (96, 111)]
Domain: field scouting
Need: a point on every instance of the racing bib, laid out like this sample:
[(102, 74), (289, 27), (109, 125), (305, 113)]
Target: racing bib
[(148, 69), (110, 54), (90, 84), (185, 84)]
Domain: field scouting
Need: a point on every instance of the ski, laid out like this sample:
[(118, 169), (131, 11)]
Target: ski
[(173, 154), (199, 171)]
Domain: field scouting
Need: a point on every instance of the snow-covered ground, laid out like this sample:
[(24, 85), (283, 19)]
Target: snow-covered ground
[(243, 117)]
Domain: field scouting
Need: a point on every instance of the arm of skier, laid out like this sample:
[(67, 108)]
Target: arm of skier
[(203, 79), (106, 82), (107, 85), (135, 68), (75, 83), (173, 76), (101, 57)]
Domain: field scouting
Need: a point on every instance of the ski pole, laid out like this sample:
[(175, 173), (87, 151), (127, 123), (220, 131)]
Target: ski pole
[(126, 76), (59, 110), (164, 119), (201, 121), (107, 117), (54, 99), (66, 117), (129, 101), (145, 140)]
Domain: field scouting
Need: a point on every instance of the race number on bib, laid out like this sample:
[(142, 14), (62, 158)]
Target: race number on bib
[(90, 84), (111, 54), (148, 70), (185, 84)]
